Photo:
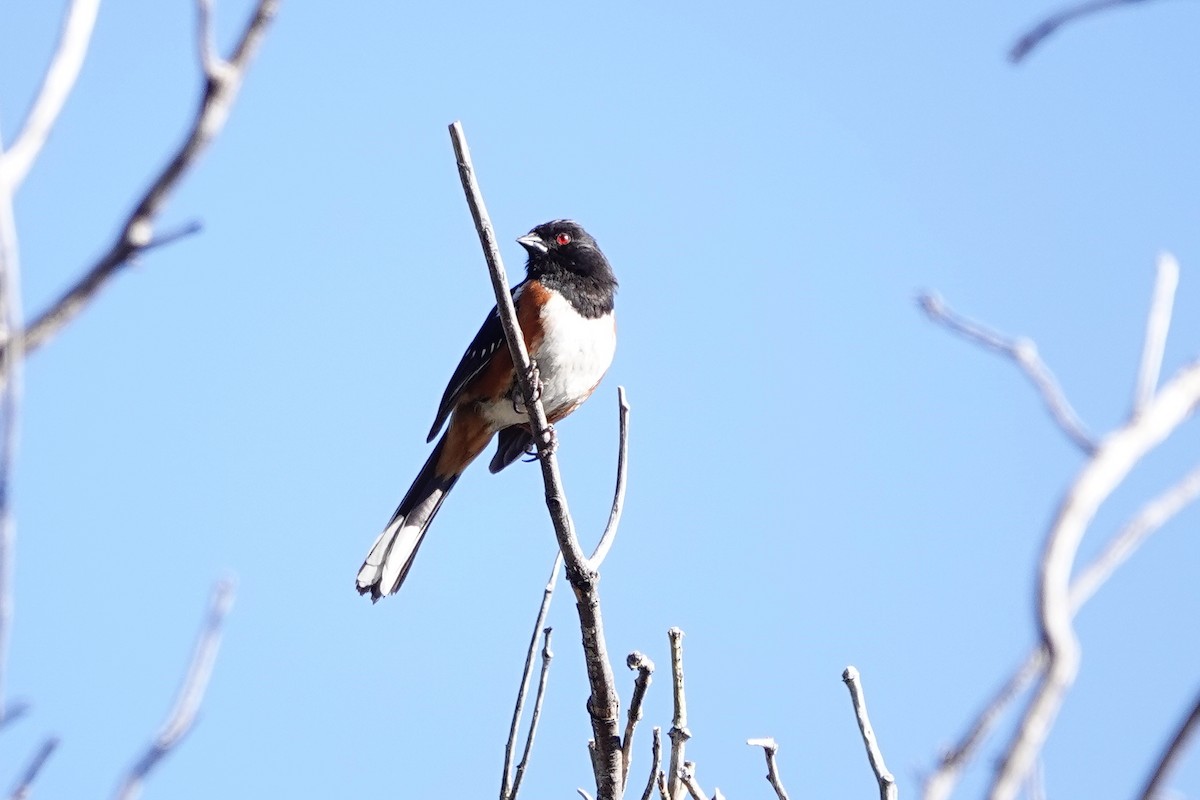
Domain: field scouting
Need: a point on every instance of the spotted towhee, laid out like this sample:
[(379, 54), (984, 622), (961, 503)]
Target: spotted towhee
[(565, 308)]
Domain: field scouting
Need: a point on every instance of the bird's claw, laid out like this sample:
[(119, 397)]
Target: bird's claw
[(534, 376), (549, 446)]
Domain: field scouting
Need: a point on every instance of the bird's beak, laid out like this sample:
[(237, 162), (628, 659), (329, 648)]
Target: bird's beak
[(533, 243)]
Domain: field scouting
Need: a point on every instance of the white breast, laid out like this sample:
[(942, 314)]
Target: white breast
[(573, 357)]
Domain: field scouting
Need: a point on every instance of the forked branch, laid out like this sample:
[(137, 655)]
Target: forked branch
[(603, 705)]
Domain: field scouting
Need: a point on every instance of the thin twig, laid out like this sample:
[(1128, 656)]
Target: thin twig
[(663, 792), (547, 655), (182, 717), (645, 669), (679, 732), (221, 87), (1158, 322), (1023, 353), (614, 516), (656, 761), (506, 787), (1100, 476), (1038, 33), (583, 793), (1152, 516), (687, 777), (603, 705), (1175, 748), (941, 782), (13, 712), (887, 783), (25, 784), (770, 747), (56, 87), (11, 361)]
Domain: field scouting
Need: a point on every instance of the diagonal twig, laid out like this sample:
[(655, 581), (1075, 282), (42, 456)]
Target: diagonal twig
[(645, 669), (182, 716), (655, 761), (603, 704), (25, 784), (1038, 33), (887, 783), (1158, 322), (1023, 353), (547, 655), (687, 777), (614, 516), (506, 786), (1175, 748), (770, 747), (223, 79)]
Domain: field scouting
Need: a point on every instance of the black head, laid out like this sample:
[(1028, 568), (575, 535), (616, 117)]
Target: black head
[(562, 247)]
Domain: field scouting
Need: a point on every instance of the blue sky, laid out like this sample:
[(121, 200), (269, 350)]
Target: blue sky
[(819, 477)]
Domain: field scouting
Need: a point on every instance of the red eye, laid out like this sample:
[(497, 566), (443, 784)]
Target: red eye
[(563, 239)]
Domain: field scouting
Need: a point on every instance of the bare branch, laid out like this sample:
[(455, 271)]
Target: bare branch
[(13, 712), (656, 761), (182, 717), (137, 232), (614, 516), (507, 790), (603, 705), (11, 321), (887, 784), (25, 784), (547, 655), (1118, 453), (687, 776), (1023, 353), (940, 784), (57, 83), (1158, 322), (1038, 33), (583, 793), (645, 668), (679, 732), (1175, 748), (1152, 516), (769, 749), (663, 792)]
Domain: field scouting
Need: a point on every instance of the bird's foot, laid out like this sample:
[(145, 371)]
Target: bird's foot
[(535, 382)]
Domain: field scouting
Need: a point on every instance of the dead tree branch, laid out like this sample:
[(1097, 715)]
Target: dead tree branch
[(604, 704), (57, 83), (770, 747), (1158, 322), (655, 762), (679, 732), (222, 80), (547, 655), (1038, 33), (506, 786), (1152, 516), (645, 669), (1107, 468), (1023, 352), (25, 784), (182, 717), (614, 516), (887, 783), (1175, 748)]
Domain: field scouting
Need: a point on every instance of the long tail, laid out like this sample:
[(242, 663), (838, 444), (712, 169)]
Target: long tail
[(392, 554)]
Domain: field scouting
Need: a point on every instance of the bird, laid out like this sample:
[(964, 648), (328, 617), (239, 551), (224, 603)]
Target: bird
[(565, 310)]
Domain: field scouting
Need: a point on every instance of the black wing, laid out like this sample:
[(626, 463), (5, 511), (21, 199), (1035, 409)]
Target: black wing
[(485, 344)]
